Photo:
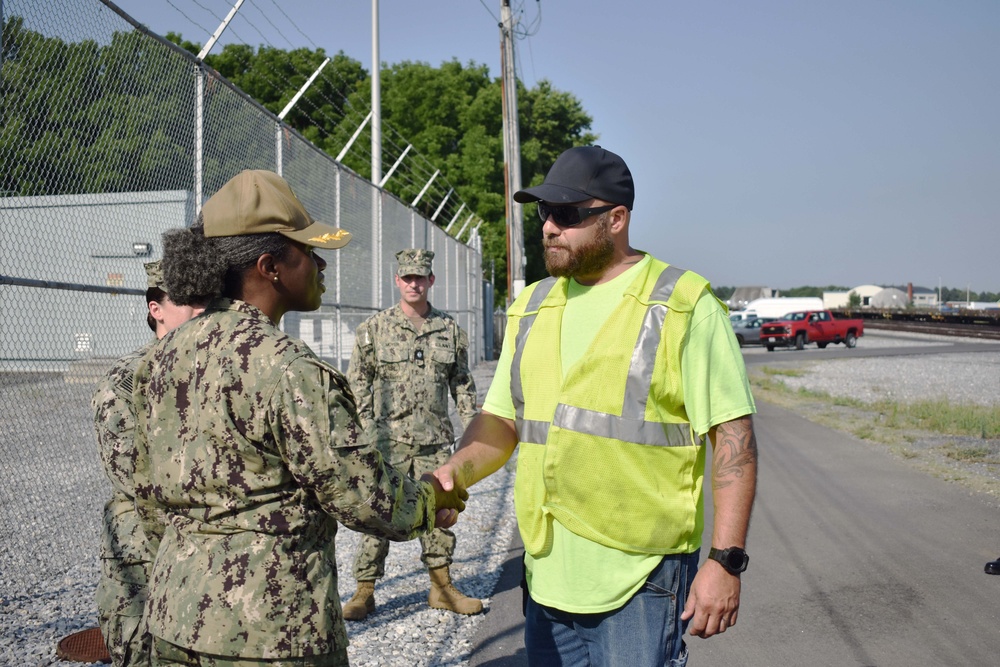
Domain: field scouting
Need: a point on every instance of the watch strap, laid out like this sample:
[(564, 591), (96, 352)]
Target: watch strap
[(725, 557)]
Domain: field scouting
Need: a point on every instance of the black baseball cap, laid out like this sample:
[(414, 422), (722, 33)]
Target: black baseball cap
[(583, 173)]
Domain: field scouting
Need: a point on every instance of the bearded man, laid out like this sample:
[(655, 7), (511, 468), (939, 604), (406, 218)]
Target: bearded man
[(614, 374)]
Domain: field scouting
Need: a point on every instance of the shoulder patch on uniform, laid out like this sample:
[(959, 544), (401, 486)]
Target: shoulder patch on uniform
[(364, 335)]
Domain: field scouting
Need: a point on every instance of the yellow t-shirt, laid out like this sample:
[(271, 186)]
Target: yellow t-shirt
[(578, 575)]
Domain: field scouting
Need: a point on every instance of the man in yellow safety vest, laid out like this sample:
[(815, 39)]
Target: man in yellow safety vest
[(613, 373)]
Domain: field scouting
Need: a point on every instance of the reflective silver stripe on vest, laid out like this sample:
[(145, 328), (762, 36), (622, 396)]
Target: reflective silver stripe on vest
[(640, 373), (531, 431), (535, 432), (631, 426), (604, 425)]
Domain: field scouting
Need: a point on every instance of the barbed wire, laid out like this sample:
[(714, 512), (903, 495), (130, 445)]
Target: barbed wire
[(184, 14), (271, 23), (308, 38), (415, 171)]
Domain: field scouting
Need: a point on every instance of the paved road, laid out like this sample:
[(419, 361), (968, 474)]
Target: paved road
[(856, 560), (859, 559), (868, 346)]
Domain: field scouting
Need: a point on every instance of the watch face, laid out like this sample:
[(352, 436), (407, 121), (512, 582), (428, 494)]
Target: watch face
[(735, 560)]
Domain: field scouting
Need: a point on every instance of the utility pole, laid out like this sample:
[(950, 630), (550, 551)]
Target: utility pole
[(376, 162), (376, 99), (511, 156)]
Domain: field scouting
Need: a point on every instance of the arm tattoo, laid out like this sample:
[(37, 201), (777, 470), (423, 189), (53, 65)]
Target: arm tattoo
[(735, 449), (468, 474)]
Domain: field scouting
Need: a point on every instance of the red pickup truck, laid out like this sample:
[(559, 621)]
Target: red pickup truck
[(810, 326)]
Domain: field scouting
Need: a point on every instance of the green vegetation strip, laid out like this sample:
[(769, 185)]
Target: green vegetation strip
[(954, 442), (937, 416)]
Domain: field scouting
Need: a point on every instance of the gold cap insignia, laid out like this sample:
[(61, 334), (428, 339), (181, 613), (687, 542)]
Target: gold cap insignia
[(336, 236)]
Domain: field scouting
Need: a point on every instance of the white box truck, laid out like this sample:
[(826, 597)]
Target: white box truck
[(775, 307)]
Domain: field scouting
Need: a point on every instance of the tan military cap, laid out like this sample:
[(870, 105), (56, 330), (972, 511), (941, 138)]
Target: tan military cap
[(154, 275), (414, 262), (257, 202)]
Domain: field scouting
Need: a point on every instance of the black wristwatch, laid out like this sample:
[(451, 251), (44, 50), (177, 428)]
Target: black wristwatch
[(733, 559)]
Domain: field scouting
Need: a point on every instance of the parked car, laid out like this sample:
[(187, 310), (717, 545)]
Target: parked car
[(811, 326), (748, 331)]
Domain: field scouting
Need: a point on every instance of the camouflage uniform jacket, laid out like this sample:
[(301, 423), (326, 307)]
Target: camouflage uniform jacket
[(402, 377), (248, 456), (114, 421)]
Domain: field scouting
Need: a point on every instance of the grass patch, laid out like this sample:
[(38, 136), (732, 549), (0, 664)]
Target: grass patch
[(771, 371), (949, 441), (936, 416), (974, 454), (865, 432), (942, 416)]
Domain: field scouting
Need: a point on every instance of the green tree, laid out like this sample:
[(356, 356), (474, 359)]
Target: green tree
[(85, 117), (723, 291), (82, 117), (812, 291), (46, 86), (273, 76), (853, 300), (453, 116)]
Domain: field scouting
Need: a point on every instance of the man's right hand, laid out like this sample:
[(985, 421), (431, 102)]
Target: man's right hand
[(448, 477), (487, 443), (448, 503)]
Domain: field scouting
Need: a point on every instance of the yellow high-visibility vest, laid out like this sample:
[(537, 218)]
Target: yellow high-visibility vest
[(608, 451)]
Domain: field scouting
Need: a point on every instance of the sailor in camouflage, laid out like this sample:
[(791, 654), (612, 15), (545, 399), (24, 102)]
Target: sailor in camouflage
[(248, 447), (406, 361), (125, 553)]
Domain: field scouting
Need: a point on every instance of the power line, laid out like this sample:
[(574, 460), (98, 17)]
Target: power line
[(489, 11)]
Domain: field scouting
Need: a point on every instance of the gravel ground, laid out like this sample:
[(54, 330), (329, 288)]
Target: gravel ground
[(403, 632), (962, 378)]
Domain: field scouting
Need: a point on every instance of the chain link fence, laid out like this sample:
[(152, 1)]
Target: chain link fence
[(111, 135)]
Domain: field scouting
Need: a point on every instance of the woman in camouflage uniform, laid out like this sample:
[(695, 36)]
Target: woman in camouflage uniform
[(125, 553), (249, 450)]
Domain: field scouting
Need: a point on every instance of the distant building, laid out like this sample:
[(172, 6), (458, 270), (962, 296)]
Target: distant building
[(108, 237), (842, 299), (889, 297), (924, 297)]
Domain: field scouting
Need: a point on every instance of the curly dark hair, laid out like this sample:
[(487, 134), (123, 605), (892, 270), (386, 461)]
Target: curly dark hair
[(197, 268)]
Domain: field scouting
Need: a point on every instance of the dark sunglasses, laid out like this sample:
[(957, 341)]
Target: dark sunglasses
[(569, 216)]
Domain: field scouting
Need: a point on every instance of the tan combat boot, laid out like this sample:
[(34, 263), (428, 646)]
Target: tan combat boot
[(444, 595), (362, 603)]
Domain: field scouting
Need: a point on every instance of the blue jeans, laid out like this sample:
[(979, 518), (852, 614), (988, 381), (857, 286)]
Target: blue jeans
[(646, 632)]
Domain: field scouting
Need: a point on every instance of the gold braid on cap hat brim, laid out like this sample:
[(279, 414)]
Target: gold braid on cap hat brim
[(326, 238)]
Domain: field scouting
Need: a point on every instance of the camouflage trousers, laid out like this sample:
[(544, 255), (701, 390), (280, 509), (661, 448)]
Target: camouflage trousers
[(166, 654), (436, 547), (121, 596)]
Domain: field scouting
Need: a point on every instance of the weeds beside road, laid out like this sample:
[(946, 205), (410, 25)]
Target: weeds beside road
[(955, 442)]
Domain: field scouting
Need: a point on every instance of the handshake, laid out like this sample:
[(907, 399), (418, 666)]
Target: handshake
[(449, 501)]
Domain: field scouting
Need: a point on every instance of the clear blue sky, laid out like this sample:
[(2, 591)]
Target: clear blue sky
[(773, 142)]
